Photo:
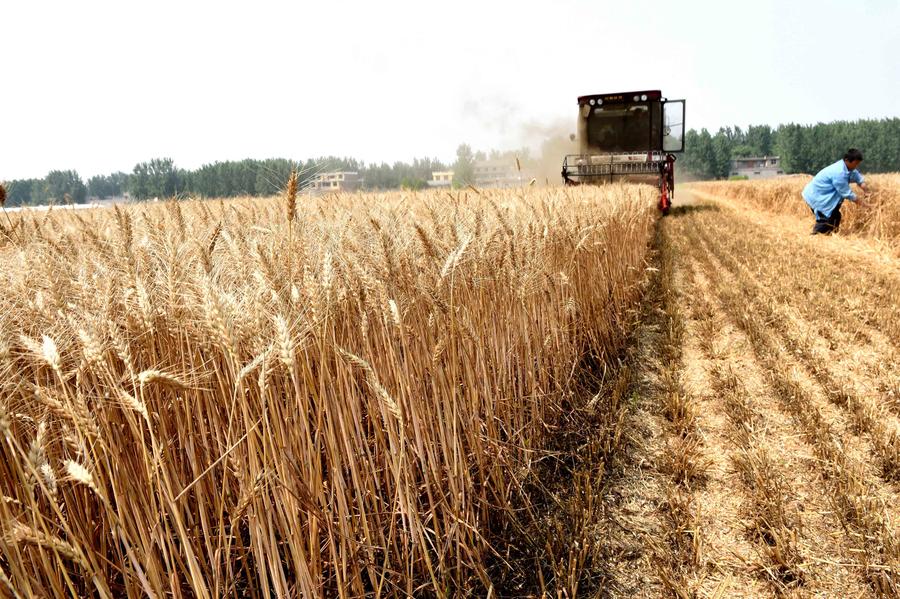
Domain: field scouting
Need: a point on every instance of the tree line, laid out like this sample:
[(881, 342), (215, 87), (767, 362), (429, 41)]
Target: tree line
[(162, 178), (57, 186), (802, 148)]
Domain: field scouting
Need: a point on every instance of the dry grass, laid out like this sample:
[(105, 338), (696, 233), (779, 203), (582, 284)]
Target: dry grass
[(342, 396), (782, 195), (773, 516)]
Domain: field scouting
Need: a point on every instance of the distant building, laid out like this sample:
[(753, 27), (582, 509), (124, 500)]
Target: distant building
[(334, 181), (496, 173), (441, 179), (757, 167)]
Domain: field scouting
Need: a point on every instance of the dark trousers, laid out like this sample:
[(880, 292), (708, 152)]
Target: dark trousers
[(826, 225)]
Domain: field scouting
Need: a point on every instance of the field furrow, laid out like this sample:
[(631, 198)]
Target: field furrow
[(831, 279), (730, 553), (804, 551), (753, 468)]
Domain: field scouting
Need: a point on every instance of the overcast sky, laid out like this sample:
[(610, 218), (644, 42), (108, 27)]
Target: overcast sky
[(99, 86)]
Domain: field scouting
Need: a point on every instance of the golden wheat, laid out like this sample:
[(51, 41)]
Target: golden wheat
[(881, 219), (333, 401)]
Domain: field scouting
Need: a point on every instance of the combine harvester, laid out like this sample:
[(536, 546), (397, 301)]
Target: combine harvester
[(631, 136)]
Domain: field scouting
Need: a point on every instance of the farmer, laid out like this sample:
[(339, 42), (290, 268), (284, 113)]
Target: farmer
[(830, 187)]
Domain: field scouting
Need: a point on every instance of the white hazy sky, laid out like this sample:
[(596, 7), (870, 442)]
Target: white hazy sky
[(98, 86)]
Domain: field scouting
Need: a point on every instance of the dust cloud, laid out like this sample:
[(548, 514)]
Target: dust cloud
[(540, 145), (549, 143)]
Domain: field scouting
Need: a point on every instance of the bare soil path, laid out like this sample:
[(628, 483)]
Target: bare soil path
[(762, 457)]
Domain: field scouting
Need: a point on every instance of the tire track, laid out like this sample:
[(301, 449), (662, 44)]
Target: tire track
[(678, 556), (653, 505)]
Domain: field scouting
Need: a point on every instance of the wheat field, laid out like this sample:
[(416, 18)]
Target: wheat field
[(782, 195), (507, 393), (350, 395)]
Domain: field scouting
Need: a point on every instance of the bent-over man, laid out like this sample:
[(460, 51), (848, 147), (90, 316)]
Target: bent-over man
[(830, 187)]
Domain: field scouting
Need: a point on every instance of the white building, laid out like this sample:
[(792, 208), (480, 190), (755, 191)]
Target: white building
[(757, 167), (334, 181), (441, 179)]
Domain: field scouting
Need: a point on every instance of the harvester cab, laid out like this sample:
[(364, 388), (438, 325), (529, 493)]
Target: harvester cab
[(631, 136)]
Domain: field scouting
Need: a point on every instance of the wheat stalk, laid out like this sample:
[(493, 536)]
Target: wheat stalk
[(79, 474), (285, 342), (440, 439), (158, 377), (290, 196), (23, 534), (4, 421), (372, 379)]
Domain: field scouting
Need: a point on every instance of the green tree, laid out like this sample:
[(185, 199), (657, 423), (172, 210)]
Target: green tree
[(722, 144), (107, 186), (272, 175), (759, 139), (157, 178), (59, 184), (464, 167), (20, 192), (700, 155), (413, 183), (743, 150), (787, 146)]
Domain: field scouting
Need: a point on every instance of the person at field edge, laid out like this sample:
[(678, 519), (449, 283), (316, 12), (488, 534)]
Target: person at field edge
[(830, 187)]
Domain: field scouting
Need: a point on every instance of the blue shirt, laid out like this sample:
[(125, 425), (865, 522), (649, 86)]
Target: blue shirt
[(830, 186)]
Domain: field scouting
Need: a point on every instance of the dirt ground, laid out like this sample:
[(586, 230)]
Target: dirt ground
[(762, 457)]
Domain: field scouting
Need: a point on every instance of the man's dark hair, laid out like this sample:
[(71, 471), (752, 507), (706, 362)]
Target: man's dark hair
[(853, 155)]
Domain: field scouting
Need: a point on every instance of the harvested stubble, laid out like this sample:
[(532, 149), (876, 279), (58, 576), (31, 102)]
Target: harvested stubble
[(209, 399), (868, 417), (677, 554), (783, 195), (772, 518), (851, 489)]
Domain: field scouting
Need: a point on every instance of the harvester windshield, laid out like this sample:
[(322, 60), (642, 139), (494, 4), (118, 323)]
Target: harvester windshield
[(623, 127)]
